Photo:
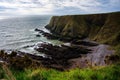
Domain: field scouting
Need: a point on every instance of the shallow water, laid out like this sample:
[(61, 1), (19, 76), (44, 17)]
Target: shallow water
[(15, 33)]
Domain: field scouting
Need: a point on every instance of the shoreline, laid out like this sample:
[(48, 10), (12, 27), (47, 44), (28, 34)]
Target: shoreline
[(55, 59)]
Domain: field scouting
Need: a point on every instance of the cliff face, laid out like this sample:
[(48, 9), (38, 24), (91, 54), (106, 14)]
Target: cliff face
[(100, 27), (110, 32)]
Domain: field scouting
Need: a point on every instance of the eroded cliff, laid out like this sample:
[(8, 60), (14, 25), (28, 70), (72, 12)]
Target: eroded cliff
[(103, 28)]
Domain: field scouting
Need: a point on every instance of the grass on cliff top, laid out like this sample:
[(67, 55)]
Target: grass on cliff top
[(102, 73)]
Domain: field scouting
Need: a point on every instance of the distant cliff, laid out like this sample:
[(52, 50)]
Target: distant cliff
[(104, 28)]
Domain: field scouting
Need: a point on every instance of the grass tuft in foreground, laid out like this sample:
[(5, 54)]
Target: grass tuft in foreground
[(100, 73)]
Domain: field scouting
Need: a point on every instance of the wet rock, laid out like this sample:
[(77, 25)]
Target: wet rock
[(38, 35), (74, 40), (18, 60), (37, 29), (57, 56), (50, 36), (47, 35), (82, 42), (60, 54), (40, 31), (54, 36), (12, 54)]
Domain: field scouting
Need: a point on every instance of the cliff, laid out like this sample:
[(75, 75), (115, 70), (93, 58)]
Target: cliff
[(104, 28)]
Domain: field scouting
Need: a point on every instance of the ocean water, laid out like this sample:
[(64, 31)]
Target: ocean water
[(16, 33)]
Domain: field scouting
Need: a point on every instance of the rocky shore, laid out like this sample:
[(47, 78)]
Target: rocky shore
[(56, 56), (77, 51)]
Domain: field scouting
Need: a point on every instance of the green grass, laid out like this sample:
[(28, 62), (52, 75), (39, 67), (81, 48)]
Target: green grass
[(117, 49), (111, 72), (2, 73)]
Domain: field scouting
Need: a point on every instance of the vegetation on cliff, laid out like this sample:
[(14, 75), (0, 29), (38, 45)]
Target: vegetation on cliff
[(104, 28)]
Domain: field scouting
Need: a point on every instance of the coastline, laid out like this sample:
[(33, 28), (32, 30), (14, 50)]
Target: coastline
[(76, 54), (77, 48)]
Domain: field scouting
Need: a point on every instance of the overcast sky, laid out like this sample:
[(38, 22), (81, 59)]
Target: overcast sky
[(56, 7)]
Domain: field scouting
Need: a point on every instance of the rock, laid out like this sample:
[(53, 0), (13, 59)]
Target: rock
[(60, 54), (83, 42), (38, 35), (19, 60), (37, 29), (12, 54)]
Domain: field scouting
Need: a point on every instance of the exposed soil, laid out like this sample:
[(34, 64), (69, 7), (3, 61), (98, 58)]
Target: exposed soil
[(95, 58)]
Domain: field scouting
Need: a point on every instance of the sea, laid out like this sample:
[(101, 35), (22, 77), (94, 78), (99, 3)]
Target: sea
[(18, 32)]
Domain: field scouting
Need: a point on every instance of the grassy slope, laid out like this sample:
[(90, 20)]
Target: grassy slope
[(2, 74), (104, 28), (100, 73), (76, 25), (110, 32)]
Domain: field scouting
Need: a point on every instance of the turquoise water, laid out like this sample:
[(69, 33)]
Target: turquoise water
[(16, 33)]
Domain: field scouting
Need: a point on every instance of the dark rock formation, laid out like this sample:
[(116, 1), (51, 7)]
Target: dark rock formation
[(83, 42), (59, 55), (47, 35), (18, 60), (56, 57), (38, 35)]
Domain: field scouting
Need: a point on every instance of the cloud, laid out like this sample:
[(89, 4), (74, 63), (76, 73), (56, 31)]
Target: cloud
[(37, 7), (25, 7)]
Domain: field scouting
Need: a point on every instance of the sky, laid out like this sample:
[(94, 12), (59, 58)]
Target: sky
[(56, 7)]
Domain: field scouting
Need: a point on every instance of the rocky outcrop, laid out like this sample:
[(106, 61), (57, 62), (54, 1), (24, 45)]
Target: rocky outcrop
[(104, 28)]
